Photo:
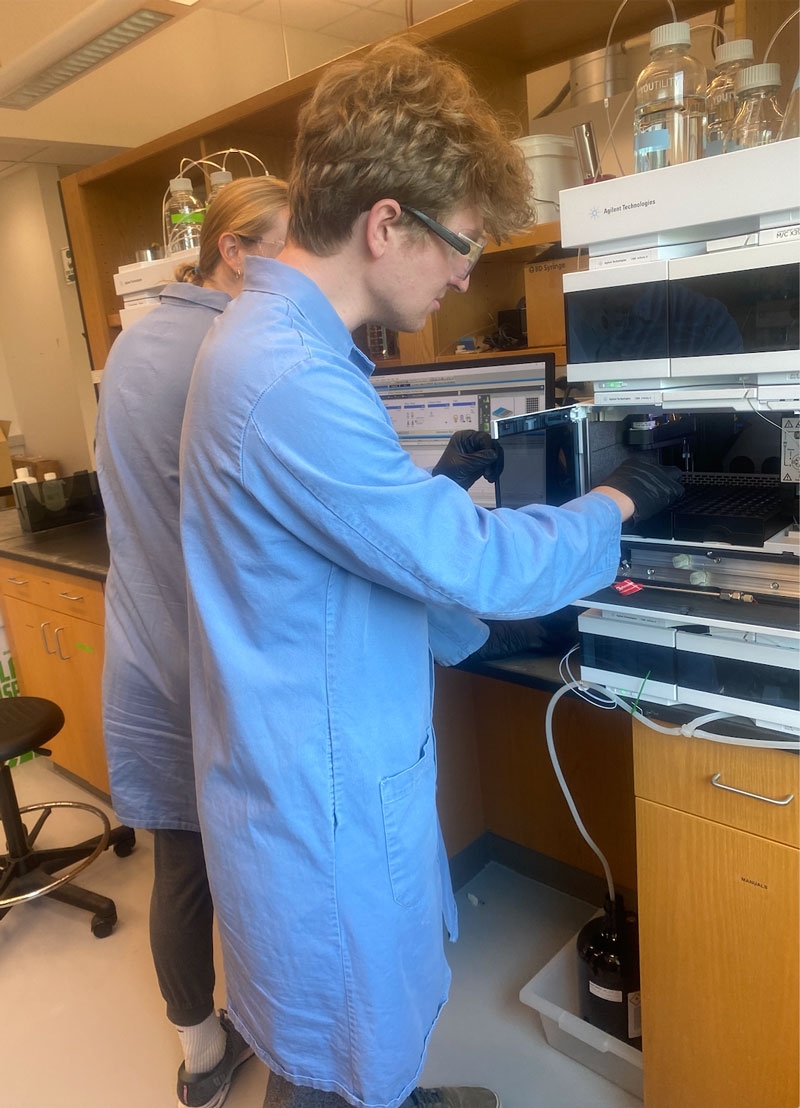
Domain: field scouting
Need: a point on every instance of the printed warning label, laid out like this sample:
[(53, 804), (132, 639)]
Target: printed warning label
[(790, 449)]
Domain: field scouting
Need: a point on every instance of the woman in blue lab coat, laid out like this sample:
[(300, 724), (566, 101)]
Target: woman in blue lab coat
[(146, 674), (320, 561)]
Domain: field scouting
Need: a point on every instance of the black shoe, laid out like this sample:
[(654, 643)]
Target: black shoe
[(209, 1090), (457, 1096)]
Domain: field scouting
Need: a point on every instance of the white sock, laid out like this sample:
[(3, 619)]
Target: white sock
[(203, 1045)]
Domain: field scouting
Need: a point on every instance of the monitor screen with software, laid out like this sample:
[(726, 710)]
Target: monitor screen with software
[(427, 403)]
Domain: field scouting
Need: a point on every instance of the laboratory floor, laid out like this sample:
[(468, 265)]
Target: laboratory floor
[(82, 1022)]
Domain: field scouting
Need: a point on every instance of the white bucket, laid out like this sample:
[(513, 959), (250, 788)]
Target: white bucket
[(553, 161)]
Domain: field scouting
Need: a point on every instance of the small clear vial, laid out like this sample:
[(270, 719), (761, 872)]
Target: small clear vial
[(669, 120), (722, 102), (759, 119)]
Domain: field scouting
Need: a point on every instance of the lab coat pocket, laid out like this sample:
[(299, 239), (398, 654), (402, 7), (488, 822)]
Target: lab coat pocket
[(411, 828)]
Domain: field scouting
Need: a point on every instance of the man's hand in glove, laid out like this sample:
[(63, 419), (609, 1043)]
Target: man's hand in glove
[(468, 456), (646, 488)]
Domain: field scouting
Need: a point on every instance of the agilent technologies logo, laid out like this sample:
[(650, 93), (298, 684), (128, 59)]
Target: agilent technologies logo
[(595, 212)]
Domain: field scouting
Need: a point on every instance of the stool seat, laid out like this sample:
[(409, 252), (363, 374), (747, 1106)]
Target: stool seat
[(26, 723)]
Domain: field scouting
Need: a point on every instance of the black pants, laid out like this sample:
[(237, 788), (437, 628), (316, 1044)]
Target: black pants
[(181, 918)]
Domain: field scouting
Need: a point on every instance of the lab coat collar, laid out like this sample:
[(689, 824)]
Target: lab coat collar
[(269, 275), (182, 291)]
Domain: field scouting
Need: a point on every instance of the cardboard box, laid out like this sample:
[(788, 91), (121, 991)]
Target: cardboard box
[(6, 467), (544, 300), (36, 464)]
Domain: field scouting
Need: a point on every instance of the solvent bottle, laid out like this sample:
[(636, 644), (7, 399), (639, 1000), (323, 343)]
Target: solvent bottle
[(23, 486), (184, 216), (721, 100), (217, 181), (608, 973), (53, 492), (790, 128), (669, 119), (759, 118)]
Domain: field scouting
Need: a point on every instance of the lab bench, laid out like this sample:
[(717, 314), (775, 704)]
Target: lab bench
[(718, 881)]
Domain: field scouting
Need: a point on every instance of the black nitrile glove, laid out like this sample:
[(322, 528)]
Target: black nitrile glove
[(468, 456), (548, 634), (651, 487)]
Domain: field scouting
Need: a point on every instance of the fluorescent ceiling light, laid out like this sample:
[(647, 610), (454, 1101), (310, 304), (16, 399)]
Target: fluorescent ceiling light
[(75, 49)]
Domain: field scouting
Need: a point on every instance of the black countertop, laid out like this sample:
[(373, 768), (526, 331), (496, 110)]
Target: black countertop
[(79, 548), (82, 549)]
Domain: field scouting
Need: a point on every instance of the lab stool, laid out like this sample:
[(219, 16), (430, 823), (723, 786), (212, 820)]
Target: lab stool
[(26, 723)]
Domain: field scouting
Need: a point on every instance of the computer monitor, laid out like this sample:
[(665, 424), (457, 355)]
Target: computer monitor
[(427, 403)]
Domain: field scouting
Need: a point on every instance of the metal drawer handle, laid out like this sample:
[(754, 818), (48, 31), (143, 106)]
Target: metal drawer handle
[(42, 626), (715, 781), (64, 657), (66, 596), (17, 581)]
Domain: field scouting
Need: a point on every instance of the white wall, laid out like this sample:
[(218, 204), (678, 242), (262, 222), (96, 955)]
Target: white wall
[(45, 378)]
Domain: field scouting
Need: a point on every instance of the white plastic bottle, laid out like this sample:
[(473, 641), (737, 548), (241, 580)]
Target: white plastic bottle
[(53, 492), (21, 493), (790, 128), (722, 103), (759, 118), (184, 216), (669, 119), (217, 181)]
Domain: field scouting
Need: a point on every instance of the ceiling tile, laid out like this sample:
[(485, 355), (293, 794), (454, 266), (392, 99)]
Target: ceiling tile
[(265, 11), (366, 25), (235, 7), (315, 15), (74, 153), (393, 7), (18, 150)]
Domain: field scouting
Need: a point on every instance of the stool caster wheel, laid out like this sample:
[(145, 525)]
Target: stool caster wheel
[(125, 846), (102, 926)]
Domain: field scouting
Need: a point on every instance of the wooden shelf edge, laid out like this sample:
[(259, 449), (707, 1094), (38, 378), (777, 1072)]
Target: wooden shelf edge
[(540, 234)]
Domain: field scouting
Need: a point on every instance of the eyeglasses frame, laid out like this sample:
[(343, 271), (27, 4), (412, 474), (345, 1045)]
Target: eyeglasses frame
[(461, 243)]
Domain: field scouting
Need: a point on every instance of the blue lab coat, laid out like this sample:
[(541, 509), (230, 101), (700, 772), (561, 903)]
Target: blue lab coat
[(317, 555), (146, 721)]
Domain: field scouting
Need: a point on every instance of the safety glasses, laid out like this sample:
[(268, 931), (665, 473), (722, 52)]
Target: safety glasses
[(468, 250)]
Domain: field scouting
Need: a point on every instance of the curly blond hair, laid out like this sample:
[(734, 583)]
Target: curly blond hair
[(403, 122)]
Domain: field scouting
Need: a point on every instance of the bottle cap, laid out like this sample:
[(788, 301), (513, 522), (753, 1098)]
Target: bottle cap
[(23, 472), (223, 177), (766, 75), (671, 34), (51, 476), (737, 50), (180, 184)]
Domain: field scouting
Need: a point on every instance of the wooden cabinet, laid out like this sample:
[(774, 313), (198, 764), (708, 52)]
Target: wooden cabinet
[(114, 208), (54, 623), (718, 881)]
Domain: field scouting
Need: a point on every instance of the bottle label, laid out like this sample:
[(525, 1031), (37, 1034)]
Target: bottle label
[(187, 217), (655, 139), (614, 995), (634, 1015)]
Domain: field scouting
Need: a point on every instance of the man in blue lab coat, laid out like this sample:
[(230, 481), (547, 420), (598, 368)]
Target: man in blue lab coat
[(325, 572)]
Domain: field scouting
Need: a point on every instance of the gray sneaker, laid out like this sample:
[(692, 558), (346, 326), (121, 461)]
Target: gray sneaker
[(209, 1090), (453, 1097)]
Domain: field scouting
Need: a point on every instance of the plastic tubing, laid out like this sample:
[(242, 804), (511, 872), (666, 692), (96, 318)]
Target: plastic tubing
[(771, 42)]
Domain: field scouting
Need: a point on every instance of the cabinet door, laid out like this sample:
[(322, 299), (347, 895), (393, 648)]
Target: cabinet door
[(61, 659), (718, 918)]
